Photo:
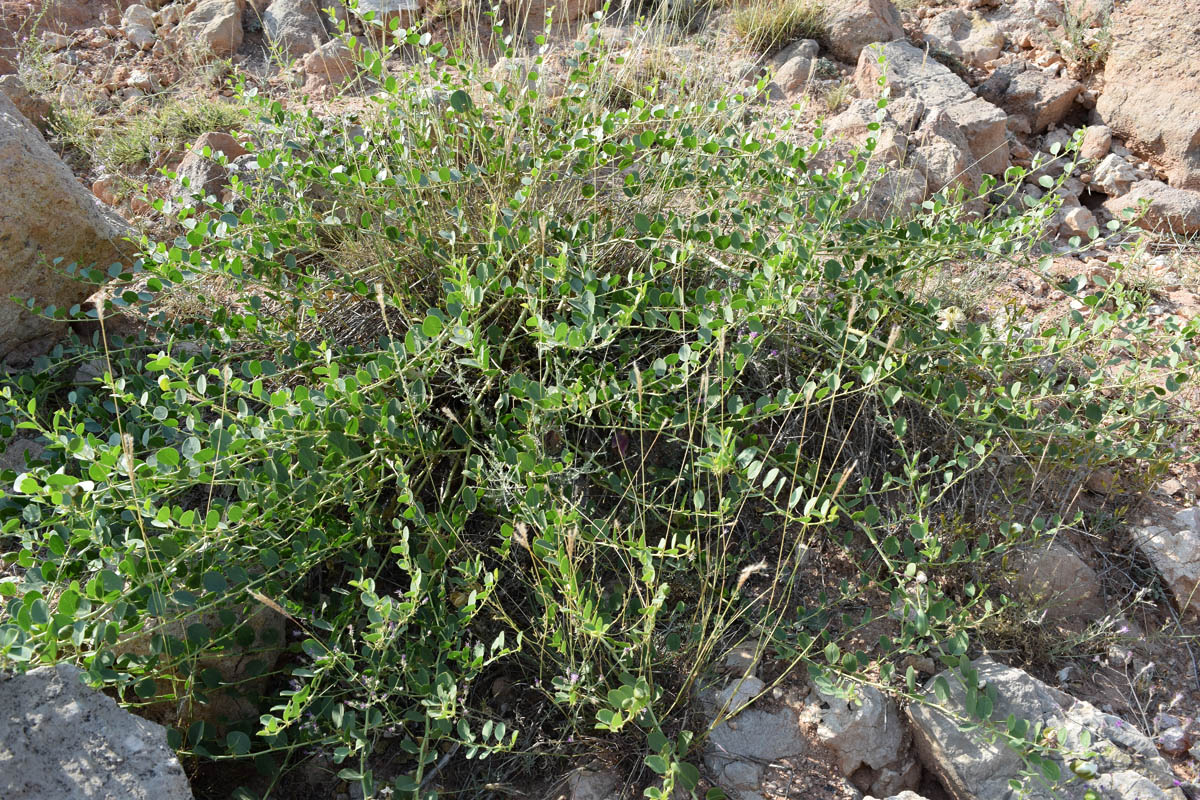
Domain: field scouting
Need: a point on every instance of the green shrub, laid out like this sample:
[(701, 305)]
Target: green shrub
[(493, 383)]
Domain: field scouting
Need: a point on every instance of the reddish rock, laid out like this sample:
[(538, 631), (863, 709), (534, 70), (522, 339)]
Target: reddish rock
[(1151, 96)]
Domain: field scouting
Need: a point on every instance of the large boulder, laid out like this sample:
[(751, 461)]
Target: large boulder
[(1167, 209), (296, 27), (910, 72), (1174, 549), (1151, 96), (851, 25), (973, 766), (59, 739), (212, 28), (46, 214), (1023, 90)]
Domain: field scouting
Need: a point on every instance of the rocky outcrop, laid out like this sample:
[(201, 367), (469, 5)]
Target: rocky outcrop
[(1174, 550), (909, 72), (1151, 96), (1025, 91), (1167, 209), (972, 39), (851, 25), (296, 27), (212, 28), (59, 739), (972, 766), (45, 215)]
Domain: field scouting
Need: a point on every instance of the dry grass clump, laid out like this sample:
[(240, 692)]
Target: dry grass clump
[(770, 24)]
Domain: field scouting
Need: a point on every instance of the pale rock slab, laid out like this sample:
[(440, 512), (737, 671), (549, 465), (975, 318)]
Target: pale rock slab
[(296, 27), (46, 215), (213, 28), (1174, 550), (972, 39), (60, 739), (972, 767)]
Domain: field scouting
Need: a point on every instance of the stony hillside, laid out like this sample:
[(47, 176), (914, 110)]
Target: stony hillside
[(758, 399)]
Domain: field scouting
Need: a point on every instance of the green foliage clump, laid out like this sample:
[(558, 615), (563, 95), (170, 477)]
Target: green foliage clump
[(493, 383)]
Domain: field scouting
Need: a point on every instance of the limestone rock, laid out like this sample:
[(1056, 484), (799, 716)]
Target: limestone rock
[(1151, 96), (1025, 91), (910, 73), (869, 739), (213, 28), (1077, 221), (59, 739), (1167, 209), (972, 39), (744, 740), (972, 767), (851, 25), (138, 14), (1114, 176), (893, 193), (853, 126), (296, 27), (592, 785), (943, 155), (1174, 550), (46, 215)]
